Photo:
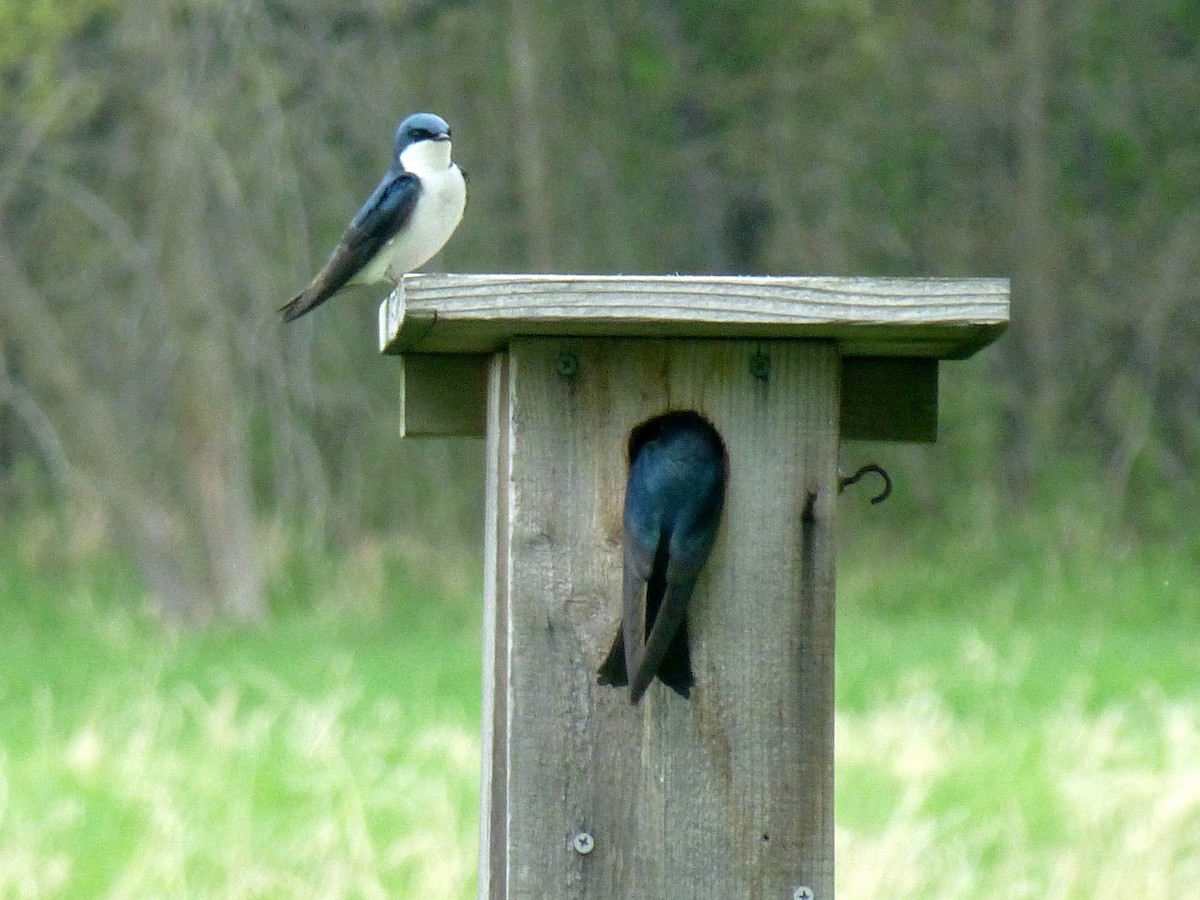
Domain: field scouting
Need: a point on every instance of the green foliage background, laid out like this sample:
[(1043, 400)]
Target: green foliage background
[(171, 171), (1017, 708)]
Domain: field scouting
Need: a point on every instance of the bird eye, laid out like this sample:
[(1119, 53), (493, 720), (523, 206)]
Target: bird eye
[(422, 134)]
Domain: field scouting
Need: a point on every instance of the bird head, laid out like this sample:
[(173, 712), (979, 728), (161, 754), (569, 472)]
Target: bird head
[(423, 142)]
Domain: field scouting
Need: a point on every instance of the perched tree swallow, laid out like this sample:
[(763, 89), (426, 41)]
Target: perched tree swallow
[(673, 500), (408, 218)]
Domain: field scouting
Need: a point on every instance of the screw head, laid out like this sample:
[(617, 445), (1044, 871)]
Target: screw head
[(567, 364), (760, 365), (804, 892), (583, 843)]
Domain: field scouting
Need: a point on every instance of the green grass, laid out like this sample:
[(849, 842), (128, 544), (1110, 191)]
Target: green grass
[(1030, 761), (1018, 711), (326, 755), (1018, 716)]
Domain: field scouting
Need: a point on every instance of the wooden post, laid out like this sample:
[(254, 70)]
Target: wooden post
[(729, 793)]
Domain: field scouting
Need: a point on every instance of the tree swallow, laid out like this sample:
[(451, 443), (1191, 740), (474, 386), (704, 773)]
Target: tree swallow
[(673, 499), (408, 218)]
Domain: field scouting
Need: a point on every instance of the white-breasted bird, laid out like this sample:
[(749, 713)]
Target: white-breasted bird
[(407, 219)]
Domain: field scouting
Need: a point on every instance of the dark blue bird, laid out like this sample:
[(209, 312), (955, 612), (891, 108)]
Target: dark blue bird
[(673, 499), (408, 218)]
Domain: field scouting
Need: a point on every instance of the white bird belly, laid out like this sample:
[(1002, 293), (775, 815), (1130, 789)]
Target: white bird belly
[(439, 210)]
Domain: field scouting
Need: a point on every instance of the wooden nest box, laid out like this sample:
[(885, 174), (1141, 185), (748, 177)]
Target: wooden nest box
[(728, 794)]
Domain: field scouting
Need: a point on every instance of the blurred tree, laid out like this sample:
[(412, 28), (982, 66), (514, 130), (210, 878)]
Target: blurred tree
[(155, 212), (171, 171)]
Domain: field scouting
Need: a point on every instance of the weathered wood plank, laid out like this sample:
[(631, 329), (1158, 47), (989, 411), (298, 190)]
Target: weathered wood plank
[(730, 793), (497, 561), (887, 398), (443, 394), (931, 317), (883, 398)]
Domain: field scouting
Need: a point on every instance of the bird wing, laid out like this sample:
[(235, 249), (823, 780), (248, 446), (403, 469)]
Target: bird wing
[(681, 553), (667, 594), (642, 593), (665, 652), (387, 210), (638, 564)]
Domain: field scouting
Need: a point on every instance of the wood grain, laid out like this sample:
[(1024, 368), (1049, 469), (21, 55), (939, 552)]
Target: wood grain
[(497, 561), (890, 398), (930, 317), (729, 794)]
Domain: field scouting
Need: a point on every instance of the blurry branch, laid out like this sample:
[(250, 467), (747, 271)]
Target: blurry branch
[(85, 421), (95, 209), (424, 13), (528, 135), (1036, 280), (25, 405), (32, 138), (197, 159), (1176, 286)]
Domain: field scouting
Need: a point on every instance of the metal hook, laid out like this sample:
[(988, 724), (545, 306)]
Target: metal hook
[(844, 483)]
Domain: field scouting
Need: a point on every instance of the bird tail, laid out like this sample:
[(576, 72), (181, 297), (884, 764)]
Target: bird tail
[(612, 671), (675, 669), (299, 305)]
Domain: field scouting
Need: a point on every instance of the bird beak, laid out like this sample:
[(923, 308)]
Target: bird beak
[(442, 136)]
